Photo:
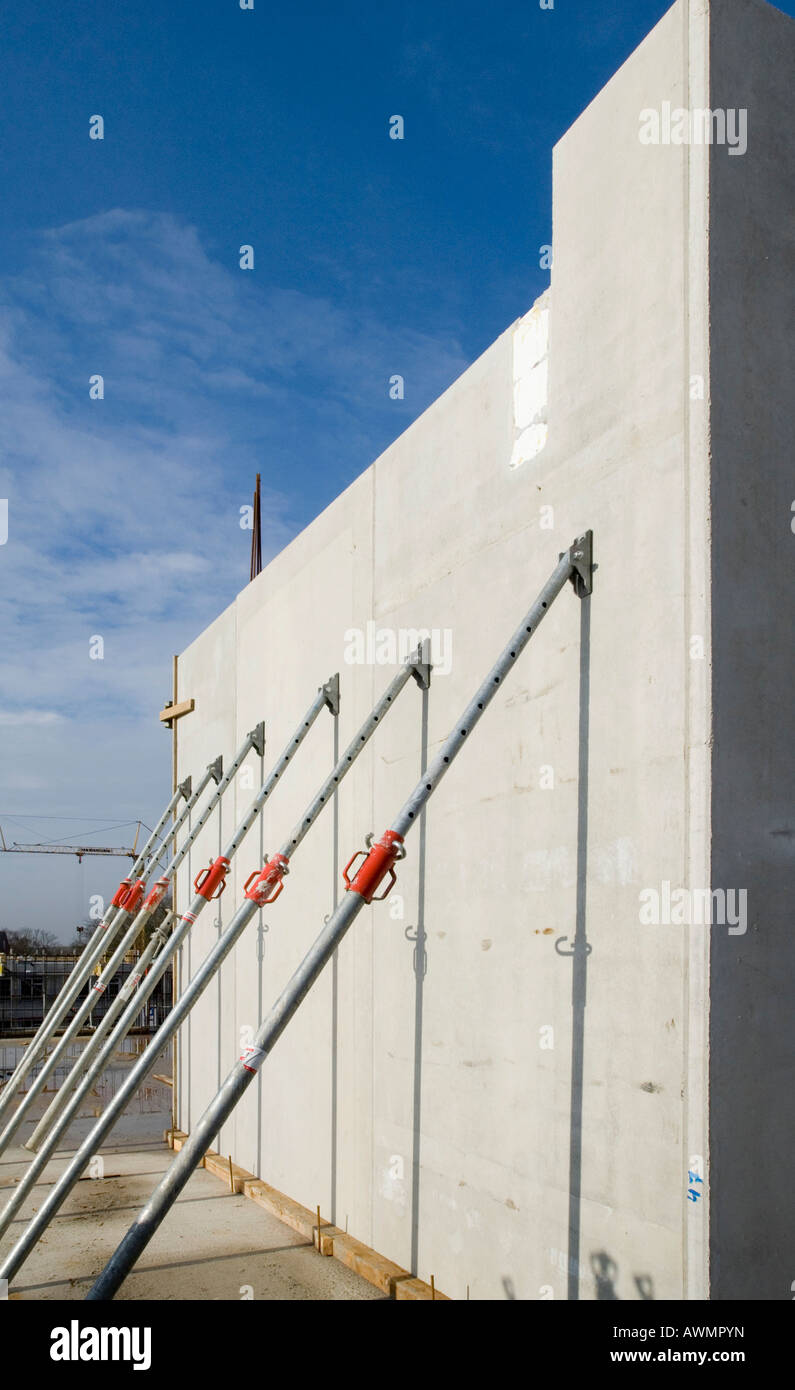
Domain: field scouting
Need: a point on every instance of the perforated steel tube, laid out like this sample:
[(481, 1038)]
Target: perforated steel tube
[(244, 1071), (82, 969)]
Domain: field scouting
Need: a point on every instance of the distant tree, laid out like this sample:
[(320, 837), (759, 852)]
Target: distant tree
[(25, 943), (85, 930), (83, 933), (160, 913)]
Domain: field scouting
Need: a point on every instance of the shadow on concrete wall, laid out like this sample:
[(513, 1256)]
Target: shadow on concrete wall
[(420, 966), (603, 1267), (579, 952), (605, 1273), (262, 928), (335, 875), (752, 367)]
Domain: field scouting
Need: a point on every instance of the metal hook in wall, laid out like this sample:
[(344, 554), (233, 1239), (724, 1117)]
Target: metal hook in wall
[(575, 948)]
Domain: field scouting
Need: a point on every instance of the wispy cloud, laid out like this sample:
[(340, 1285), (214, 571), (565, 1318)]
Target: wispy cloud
[(35, 717), (124, 513)]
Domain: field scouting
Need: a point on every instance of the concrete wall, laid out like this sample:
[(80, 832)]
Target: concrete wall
[(752, 1033), (502, 1080)]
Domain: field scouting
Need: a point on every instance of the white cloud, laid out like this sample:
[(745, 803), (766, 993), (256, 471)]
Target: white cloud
[(29, 716), (124, 513)]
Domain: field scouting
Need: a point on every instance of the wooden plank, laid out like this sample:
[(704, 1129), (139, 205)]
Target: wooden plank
[(384, 1274), (375, 1268), (293, 1214), (172, 711), (416, 1291)]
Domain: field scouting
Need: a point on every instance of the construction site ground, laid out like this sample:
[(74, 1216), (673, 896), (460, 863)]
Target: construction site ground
[(214, 1244)]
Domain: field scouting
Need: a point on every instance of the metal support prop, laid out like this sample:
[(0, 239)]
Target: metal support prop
[(103, 1053), (253, 740), (361, 889), (140, 910), (262, 891), (89, 956), (209, 886), (214, 773), (83, 1064)]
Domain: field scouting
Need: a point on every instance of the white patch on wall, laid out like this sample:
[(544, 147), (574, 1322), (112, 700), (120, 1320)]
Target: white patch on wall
[(530, 383), (543, 869), (616, 863), (393, 1185), (611, 863)]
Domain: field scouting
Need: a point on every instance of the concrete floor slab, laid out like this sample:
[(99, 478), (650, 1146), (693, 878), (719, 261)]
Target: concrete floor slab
[(214, 1245)]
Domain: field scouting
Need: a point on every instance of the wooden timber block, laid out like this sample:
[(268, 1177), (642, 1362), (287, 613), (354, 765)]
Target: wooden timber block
[(384, 1274), (416, 1290)]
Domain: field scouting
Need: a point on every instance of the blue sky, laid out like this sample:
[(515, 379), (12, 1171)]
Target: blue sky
[(372, 257)]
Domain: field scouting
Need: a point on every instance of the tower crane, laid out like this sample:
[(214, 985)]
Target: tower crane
[(121, 852)]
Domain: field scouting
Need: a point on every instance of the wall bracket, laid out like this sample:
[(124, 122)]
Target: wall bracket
[(257, 737), (581, 556), (331, 690)]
